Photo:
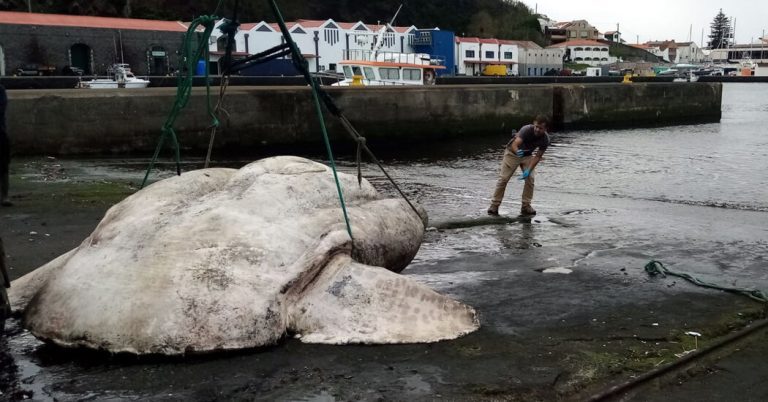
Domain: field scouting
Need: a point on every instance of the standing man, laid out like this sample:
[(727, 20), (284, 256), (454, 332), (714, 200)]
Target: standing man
[(525, 149), (5, 151)]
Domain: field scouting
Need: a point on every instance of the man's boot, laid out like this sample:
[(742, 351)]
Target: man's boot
[(527, 210)]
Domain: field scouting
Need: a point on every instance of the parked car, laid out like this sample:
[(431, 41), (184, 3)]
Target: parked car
[(72, 70), (35, 69), (495, 70)]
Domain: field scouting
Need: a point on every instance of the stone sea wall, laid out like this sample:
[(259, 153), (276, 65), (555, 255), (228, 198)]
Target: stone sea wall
[(120, 121)]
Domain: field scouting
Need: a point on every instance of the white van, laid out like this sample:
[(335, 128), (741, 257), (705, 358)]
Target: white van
[(594, 71)]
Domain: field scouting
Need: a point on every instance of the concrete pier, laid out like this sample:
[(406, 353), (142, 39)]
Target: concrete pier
[(82, 122)]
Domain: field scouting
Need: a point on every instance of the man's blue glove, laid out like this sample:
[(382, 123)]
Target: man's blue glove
[(526, 173), (520, 153)]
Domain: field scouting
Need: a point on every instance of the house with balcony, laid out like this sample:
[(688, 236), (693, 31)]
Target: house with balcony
[(571, 30), (582, 51)]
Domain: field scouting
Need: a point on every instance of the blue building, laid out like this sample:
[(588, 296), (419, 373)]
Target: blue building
[(440, 45)]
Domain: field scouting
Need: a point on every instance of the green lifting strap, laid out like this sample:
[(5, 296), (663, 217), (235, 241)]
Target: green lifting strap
[(301, 64), (655, 268), (190, 57)]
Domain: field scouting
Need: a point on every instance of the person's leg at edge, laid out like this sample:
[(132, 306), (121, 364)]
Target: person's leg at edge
[(5, 159), (526, 208), (508, 165)]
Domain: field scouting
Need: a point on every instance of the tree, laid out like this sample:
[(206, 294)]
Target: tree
[(503, 19), (721, 34)]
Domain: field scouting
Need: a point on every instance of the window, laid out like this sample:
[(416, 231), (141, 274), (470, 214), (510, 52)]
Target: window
[(356, 70), (389, 73), (490, 54), (578, 49), (412, 74), (369, 75), (221, 44), (578, 59), (508, 55), (347, 72), (571, 34), (587, 49), (583, 34), (332, 66), (469, 53), (331, 34)]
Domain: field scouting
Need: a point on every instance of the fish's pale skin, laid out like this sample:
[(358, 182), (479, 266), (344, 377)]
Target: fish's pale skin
[(221, 259)]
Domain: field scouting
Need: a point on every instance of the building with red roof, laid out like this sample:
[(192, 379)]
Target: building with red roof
[(584, 51), (520, 57), (54, 42)]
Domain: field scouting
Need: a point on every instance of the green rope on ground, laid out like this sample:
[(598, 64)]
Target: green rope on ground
[(301, 63), (190, 57), (655, 268)]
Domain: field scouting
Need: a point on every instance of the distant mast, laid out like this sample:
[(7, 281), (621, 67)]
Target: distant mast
[(382, 31)]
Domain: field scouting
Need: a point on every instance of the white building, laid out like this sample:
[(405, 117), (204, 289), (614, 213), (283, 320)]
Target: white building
[(468, 56), (654, 50), (689, 52), (673, 52), (323, 42), (757, 52), (588, 52), (520, 57), (536, 61)]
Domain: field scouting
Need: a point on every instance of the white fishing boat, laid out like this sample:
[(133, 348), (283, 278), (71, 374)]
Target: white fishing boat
[(120, 76), (374, 67), (389, 68)]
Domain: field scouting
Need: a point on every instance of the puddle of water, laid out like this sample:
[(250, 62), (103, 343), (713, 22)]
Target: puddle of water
[(558, 270)]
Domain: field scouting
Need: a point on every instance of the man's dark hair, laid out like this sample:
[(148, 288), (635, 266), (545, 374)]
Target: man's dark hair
[(542, 119)]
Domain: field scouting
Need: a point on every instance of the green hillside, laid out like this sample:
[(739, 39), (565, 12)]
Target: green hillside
[(503, 19)]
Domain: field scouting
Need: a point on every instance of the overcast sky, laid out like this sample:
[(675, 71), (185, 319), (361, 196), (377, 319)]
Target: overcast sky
[(660, 19)]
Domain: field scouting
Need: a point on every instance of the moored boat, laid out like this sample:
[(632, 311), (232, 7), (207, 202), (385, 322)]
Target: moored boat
[(120, 76), (389, 68)]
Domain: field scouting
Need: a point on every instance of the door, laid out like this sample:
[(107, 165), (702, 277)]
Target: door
[(158, 61), (80, 56)]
